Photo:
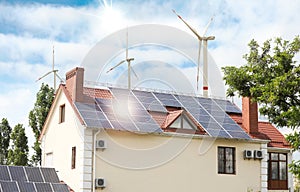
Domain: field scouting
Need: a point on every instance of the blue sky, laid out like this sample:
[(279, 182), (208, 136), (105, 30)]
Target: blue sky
[(29, 30)]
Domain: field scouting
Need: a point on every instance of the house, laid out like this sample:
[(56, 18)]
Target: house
[(112, 139)]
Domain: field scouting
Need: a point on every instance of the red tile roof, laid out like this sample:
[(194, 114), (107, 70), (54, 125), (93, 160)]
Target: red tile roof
[(97, 93), (266, 131)]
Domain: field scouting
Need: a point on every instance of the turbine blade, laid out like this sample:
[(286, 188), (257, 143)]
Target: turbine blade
[(193, 30), (208, 24), (44, 76), (134, 73), (115, 66), (59, 77)]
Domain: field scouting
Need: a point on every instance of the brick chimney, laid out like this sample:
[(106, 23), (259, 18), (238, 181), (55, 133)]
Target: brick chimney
[(250, 115), (74, 84)]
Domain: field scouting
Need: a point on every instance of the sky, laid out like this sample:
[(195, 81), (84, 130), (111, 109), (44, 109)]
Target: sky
[(29, 30)]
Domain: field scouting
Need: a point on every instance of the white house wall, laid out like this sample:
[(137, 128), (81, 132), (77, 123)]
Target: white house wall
[(187, 171), (59, 139)]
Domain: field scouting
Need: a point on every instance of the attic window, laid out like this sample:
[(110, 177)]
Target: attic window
[(62, 111), (182, 122)]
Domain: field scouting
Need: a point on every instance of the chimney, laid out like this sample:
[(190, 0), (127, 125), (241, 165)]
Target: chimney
[(249, 115), (74, 84)]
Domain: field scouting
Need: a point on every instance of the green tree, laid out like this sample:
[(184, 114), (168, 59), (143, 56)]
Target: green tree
[(271, 77), (18, 154), (5, 131), (37, 117)]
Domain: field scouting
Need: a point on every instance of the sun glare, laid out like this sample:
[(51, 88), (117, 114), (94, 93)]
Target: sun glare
[(111, 16)]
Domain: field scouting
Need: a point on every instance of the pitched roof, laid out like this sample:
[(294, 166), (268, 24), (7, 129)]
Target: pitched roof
[(267, 132), (164, 119)]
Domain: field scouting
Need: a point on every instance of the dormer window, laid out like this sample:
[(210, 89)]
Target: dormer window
[(183, 122)]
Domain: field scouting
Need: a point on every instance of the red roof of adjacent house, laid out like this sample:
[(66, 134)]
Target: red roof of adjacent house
[(266, 131)]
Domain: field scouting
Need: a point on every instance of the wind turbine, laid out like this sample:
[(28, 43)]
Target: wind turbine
[(128, 64), (54, 71), (204, 39)]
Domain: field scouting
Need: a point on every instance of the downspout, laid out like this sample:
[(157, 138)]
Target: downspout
[(94, 159)]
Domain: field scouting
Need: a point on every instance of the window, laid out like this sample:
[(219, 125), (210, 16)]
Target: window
[(226, 160), (62, 113), (49, 160), (182, 122), (277, 164), (73, 162)]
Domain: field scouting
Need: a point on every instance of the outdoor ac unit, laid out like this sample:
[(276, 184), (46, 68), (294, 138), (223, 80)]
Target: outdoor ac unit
[(101, 144), (99, 183), (258, 154), (248, 154)]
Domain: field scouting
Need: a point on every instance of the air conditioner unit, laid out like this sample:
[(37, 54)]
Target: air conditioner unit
[(101, 144), (248, 154), (258, 154), (99, 183)]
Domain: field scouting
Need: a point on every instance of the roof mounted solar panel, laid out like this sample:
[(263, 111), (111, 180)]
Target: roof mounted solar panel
[(227, 106), (92, 115), (126, 111), (167, 99), (4, 175), (149, 101)]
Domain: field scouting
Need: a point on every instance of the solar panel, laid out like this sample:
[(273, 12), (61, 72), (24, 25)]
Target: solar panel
[(92, 115), (167, 99), (149, 101), (17, 173), (26, 187), (200, 114), (126, 112), (4, 175), (9, 186), (222, 118), (34, 174), (49, 175), (227, 106), (59, 187), (43, 187)]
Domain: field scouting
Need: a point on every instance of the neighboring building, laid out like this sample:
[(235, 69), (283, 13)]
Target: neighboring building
[(148, 141)]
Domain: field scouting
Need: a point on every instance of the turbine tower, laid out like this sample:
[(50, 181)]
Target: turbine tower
[(54, 71), (205, 65), (128, 59)]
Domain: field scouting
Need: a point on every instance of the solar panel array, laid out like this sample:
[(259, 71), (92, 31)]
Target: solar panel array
[(129, 110), (126, 112), (92, 115), (30, 179)]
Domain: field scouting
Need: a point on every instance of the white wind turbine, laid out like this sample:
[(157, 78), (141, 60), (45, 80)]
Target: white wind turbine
[(205, 39), (54, 71), (128, 64)]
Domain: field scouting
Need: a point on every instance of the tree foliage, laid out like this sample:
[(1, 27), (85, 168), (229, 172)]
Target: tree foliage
[(272, 78), (37, 117), (18, 154), (5, 131)]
